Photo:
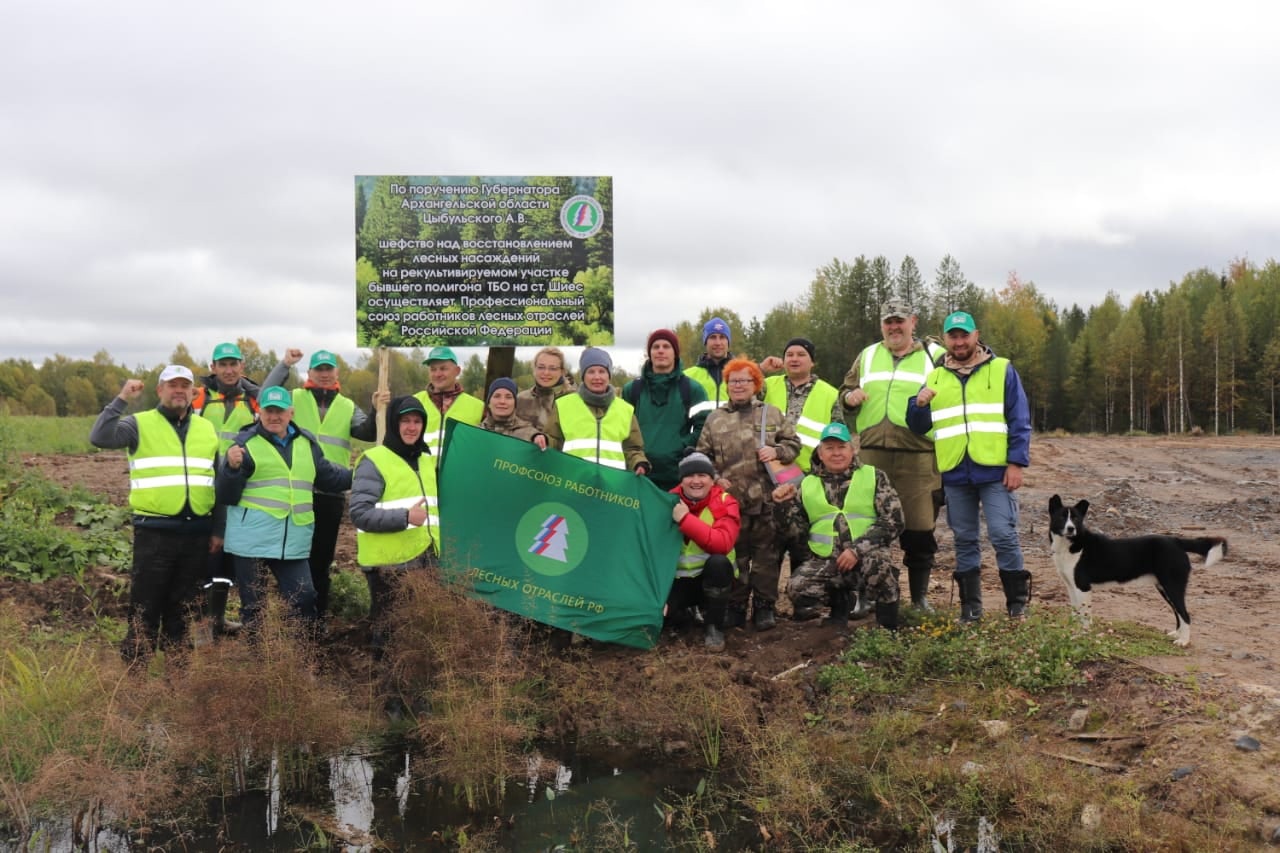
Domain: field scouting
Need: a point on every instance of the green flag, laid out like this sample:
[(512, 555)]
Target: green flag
[(584, 547)]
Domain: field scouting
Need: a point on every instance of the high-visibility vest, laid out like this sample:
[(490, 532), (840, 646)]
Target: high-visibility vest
[(693, 558), (890, 386), (211, 406), (465, 408), (277, 489), (405, 487), (717, 395), (969, 416), (598, 441), (168, 471), (859, 509), (334, 432), (814, 417)]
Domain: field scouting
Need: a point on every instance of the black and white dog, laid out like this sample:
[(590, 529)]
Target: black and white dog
[(1086, 560)]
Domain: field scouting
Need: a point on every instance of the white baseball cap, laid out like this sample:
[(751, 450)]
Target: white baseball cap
[(176, 371)]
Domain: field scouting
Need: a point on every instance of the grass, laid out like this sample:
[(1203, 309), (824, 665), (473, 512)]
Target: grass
[(33, 434)]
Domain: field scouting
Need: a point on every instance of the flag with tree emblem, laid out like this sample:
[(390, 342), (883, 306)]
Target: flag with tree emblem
[(579, 546)]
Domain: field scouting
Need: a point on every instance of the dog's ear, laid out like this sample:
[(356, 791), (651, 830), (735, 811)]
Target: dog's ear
[(1082, 507), (1055, 503)]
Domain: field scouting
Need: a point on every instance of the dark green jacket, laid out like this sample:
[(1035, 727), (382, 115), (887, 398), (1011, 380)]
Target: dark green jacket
[(664, 420)]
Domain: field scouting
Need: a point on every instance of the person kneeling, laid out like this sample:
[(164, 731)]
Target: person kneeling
[(710, 521), (850, 515)]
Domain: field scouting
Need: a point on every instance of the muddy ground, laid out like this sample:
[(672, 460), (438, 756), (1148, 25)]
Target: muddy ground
[(1186, 485)]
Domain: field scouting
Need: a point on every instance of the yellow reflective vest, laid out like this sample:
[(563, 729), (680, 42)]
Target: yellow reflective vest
[(334, 432), (717, 395), (969, 416), (277, 489), (814, 417), (405, 487), (859, 509), (598, 441), (167, 472), (890, 386), (464, 408)]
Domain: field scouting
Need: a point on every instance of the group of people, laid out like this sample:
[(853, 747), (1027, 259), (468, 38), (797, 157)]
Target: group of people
[(231, 480)]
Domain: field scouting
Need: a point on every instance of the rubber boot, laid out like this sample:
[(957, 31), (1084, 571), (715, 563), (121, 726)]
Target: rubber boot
[(805, 608), (970, 585), (887, 615), (763, 619), (1017, 592), (216, 604), (918, 579), (735, 616), (840, 599), (862, 605), (714, 641)]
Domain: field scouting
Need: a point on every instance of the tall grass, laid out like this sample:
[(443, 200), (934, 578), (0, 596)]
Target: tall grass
[(34, 434)]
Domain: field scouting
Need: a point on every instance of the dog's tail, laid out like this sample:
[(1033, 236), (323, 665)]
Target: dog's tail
[(1212, 548)]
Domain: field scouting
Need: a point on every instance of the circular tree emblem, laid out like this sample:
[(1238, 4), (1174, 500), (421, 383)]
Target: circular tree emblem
[(552, 539), (582, 216)]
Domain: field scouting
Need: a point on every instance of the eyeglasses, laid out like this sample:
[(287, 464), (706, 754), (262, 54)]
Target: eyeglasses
[(739, 382)]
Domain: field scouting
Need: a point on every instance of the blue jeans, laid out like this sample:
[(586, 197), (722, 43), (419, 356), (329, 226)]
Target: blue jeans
[(293, 578), (1001, 509)]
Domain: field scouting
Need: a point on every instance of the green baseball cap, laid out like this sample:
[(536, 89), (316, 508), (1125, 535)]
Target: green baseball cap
[(275, 397), (837, 431), (323, 357), (440, 354), (222, 351), (959, 320)]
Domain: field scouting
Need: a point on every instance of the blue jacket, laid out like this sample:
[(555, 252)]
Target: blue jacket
[(254, 533), (1017, 414)]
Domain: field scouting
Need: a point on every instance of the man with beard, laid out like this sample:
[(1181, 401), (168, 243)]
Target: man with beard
[(975, 404), (171, 464)]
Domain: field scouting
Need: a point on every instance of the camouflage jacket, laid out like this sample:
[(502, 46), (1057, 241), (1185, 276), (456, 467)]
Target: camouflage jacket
[(731, 437), (537, 404), (790, 519)]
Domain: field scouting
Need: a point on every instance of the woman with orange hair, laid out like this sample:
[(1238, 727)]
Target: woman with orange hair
[(742, 438)]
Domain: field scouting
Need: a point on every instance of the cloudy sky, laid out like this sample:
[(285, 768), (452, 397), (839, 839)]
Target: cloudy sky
[(177, 172)]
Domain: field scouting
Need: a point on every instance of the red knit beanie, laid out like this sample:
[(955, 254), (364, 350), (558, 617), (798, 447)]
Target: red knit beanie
[(663, 335)]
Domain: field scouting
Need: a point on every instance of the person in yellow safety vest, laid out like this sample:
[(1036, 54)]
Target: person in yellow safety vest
[(171, 463), (594, 423), (445, 399), (709, 520), (267, 480), (850, 514), (334, 419), (874, 396), (809, 404), (229, 400), (976, 407), (709, 370), (395, 510)]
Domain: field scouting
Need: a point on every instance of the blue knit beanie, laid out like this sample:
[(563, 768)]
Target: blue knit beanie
[(501, 382), (715, 326)]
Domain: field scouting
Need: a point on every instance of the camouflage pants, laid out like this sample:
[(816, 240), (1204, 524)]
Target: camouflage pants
[(914, 476), (875, 577), (759, 565)]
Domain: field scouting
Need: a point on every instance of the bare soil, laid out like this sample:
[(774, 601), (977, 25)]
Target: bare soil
[(1192, 485)]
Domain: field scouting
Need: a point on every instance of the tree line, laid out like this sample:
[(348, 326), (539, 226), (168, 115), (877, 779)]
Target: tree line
[(1203, 354)]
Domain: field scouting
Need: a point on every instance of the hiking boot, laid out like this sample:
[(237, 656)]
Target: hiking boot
[(970, 584), (1017, 592), (763, 618), (714, 641)]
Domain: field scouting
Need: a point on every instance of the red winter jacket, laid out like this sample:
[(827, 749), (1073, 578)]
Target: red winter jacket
[(721, 535)]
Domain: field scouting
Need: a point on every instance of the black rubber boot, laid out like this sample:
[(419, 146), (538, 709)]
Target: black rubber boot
[(735, 616), (862, 605), (714, 641), (763, 619), (970, 585), (918, 548), (717, 601), (918, 579), (805, 608), (216, 605), (841, 600), (887, 615), (1017, 593)]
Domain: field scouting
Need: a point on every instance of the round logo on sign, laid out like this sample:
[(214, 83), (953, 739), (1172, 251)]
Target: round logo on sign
[(582, 216), (552, 539)]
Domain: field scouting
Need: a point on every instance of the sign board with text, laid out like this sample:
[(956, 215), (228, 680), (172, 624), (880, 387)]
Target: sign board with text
[(483, 261)]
